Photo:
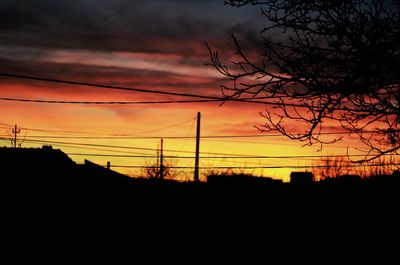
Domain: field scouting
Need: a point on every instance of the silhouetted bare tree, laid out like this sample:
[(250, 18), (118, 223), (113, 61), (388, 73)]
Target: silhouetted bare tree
[(152, 171), (324, 62), (387, 166), (331, 167)]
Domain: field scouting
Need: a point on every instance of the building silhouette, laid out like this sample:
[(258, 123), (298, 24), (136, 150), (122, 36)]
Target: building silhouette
[(46, 170), (301, 178)]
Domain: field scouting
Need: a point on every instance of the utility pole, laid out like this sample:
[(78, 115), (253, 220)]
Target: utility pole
[(15, 131), (161, 160), (157, 173), (196, 163)]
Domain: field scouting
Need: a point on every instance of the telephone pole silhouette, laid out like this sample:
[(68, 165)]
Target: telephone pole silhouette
[(161, 172), (157, 173), (15, 131), (196, 163)]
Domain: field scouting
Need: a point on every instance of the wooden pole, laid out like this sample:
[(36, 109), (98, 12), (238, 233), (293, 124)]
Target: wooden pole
[(15, 131), (196, 164), (161, 160)]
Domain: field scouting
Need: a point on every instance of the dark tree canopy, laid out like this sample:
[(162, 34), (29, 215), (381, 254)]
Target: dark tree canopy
[(324, 62)]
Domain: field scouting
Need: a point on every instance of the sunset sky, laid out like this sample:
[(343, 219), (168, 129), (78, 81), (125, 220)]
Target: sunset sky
[(152, 44)]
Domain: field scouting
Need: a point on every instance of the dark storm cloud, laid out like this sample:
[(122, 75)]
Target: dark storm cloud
[(148, 44), (123, 25)]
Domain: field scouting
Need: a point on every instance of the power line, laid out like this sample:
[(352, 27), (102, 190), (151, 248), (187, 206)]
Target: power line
[(122, 147), (167, 127), (269, 143), (187, 136), (94, 145), (91, 148), (121, 156), (127, 147), (107, 102), (219, 160), (140, 155), (112, 136), (132, 137), (5, 124), (214, 98), (131, 148), (260, 167), (87, 84), (218, 157), (8, 126), (102, 145)]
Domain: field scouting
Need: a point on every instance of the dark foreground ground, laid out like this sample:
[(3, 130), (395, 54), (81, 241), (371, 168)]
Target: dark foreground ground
[(44, 183), (219, 201), (203, 220), (56, 211)]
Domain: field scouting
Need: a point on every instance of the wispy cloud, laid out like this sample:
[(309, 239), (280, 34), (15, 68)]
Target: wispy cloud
[(169, 63)]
